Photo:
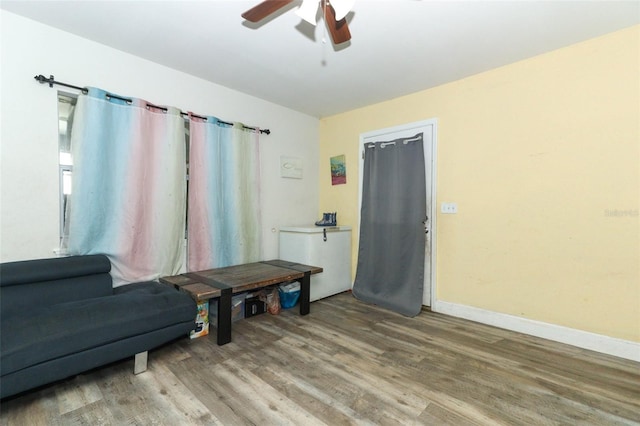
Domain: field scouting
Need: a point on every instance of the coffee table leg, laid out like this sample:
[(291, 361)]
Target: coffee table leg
[(305, 293), (224, 317)]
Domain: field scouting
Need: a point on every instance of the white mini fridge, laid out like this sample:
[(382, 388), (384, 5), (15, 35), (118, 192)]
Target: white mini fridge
[(328, 248)]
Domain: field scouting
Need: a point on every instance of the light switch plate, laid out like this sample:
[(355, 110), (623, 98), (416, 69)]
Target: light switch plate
[(449, 208)]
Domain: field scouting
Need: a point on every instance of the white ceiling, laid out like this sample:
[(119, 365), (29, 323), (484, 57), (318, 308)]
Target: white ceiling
[(397, 47)]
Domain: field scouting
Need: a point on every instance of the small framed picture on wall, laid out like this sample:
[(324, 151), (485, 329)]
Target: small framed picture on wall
[(338, 170), (290, 167)]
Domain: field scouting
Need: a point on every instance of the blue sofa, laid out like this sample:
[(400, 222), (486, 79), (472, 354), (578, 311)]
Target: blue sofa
[(61, 316)]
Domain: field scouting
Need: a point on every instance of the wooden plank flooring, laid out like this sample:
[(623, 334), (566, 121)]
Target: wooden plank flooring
[(348, 363)]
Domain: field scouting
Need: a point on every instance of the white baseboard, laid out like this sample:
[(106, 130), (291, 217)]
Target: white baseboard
[(582, 339)]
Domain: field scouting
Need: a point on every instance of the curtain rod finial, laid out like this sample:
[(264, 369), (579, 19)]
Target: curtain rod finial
[(42, 79)]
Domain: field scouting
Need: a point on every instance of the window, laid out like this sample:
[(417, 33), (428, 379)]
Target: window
[(66, 106)]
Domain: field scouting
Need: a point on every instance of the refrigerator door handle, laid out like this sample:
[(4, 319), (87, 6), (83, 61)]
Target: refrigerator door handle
[(324, 234)]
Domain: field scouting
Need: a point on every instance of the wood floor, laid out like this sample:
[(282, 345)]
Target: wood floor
[(348, 363)]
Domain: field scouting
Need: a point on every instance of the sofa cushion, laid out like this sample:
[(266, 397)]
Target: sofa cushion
[(43, 333), (51, 281)]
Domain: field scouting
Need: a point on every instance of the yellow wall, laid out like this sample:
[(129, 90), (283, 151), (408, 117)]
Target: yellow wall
[(542, 157)]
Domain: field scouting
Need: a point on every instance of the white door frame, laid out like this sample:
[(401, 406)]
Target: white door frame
[(382, 133)]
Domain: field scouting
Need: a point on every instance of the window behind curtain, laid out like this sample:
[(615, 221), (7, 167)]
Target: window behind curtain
[(66, 106)]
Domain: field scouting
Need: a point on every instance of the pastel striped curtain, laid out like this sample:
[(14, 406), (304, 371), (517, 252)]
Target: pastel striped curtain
[(129, 186), (224, 195)]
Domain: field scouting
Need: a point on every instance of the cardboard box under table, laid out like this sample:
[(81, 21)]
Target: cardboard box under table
[(222, 283)]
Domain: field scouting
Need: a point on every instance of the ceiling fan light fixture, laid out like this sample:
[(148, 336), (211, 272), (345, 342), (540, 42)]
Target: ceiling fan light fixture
[(342, 7), (308, 11)]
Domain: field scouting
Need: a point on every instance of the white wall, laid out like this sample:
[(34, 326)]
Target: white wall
[(29, 204)]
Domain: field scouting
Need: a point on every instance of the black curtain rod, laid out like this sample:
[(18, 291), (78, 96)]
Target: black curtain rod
[(51, 81)]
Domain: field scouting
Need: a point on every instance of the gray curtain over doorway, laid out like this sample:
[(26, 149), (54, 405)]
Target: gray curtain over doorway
[(390, 271)]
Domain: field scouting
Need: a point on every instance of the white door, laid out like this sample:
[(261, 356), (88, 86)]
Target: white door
[(429, 130)]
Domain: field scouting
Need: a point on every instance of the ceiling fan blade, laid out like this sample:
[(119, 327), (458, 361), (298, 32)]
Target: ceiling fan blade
[(339, 29), (264, 9)]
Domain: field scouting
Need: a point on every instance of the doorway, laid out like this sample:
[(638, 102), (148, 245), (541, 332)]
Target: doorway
[(429, 130)]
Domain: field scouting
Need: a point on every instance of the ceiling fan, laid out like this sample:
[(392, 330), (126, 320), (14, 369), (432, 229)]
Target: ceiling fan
[(334, 12)]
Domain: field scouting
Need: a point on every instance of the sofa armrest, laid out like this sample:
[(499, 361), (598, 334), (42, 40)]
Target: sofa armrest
[(29, 271), (41, 282)]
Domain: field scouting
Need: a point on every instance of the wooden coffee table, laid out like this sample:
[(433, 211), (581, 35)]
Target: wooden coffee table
[(222, 283)]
